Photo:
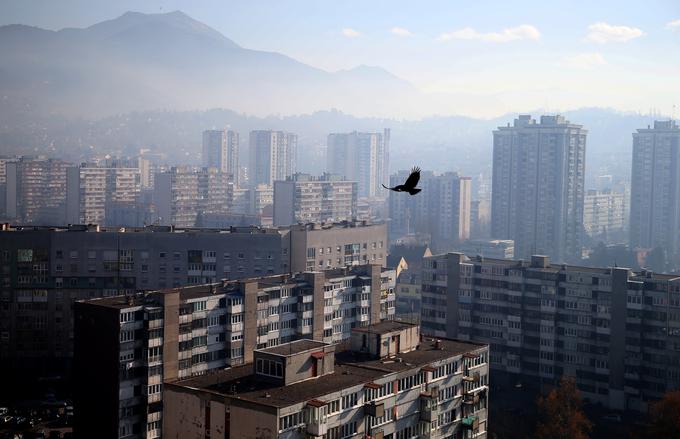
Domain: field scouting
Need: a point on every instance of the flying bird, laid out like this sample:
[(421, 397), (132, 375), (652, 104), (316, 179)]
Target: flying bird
[(410, 183)]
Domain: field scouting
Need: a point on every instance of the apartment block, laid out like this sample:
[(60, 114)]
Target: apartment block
[(360, 157), (615, 330), (386, 384), (182, 195), (133, 344), (441, 211), (35, 190), (537, 189), (94, 191), (44, 270), (655, 188), (220, 150), (273, 156), (319, 246), (604, 213), (303, 198)]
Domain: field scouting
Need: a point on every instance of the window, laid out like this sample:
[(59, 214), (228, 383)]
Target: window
[(349, 429), (350, 400), (199, 306), (290, 421), (127, 317), (334, 407), (269, 367), (155, 388)]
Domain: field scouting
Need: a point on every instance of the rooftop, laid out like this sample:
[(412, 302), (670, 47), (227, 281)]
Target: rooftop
[(294, 347), (351, 369), (385, 327)]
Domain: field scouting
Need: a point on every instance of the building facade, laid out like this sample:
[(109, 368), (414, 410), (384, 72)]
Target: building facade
[(182, 195), (35, 190), (409, 388), (273, 156), (360, 157), (306, 199), (93, 191), (538, 186), (604, 213), (320, 246), (44, 270), (442, 211), (220, 150), (144, 340), (655, 188), (616, 331)]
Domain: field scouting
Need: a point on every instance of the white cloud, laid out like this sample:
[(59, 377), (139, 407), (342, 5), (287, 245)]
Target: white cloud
[(606, 33), (674, 25), (522, 32), (401, 32), (583, 61), (350, 33)]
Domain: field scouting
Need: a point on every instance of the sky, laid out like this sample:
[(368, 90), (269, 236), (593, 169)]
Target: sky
[(511, 55)]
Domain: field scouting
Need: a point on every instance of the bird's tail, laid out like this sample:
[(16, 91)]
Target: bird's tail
[(414, 191), (385, 186)]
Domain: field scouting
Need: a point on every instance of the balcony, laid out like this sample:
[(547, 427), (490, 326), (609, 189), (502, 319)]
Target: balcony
[(470, 422), (471, 378), (469, 398), (374, 409)]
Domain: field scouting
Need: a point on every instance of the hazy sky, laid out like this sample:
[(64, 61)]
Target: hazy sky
[(516, 54)]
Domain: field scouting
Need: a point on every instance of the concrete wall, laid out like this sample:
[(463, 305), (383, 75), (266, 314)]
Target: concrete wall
[(284, 209), (193, 414), (170, 334), (252, 421)]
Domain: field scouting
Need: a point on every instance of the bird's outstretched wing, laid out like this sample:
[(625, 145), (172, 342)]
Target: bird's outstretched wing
[(412, 180), (387, 187)]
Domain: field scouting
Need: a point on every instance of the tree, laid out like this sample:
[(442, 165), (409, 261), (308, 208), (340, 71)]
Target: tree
[(561, 415), (665, 416)]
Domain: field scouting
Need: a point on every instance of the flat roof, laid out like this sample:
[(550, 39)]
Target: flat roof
[(351, 369), (294, 347), (385, 327)]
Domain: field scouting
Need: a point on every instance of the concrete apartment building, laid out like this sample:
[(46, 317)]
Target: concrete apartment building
[(303, 198), (220, 150), (44, 270), (319, 246), (94, 190), (538, 192), (488, 248), (360, 157), (35, 190), (182, 195), (386, 384), (273, 156), (131, 345), (441, 211), (655, 188), (604, 213), (616, 331)]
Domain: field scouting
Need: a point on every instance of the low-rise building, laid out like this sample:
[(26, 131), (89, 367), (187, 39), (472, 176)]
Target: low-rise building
[(389, 384)]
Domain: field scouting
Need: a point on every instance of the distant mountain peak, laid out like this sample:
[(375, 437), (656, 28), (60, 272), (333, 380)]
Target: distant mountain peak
[(175, 19)]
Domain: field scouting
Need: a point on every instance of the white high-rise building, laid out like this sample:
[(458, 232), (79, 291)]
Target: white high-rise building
[(655, 187), (604, 212), (360, 157), (303, 198), (273, 156), (93, 189), (220, 150), (537, 194)]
